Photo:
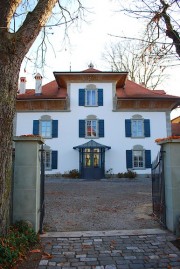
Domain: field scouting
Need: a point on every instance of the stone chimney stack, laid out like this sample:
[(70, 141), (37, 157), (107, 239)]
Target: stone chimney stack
[(22, 85), (38, 85)]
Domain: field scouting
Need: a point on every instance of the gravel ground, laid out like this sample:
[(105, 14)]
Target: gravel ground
[(79, 205)]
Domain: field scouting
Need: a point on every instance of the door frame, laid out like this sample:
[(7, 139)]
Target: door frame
[(87, 168)]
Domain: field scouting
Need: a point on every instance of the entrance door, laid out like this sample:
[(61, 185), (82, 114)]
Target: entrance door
[(92, 159), (92, 166)]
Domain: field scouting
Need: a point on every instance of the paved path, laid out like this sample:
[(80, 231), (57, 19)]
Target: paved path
[(125, 249)]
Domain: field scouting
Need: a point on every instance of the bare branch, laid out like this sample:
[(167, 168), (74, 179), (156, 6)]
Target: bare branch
[(163, 14), (144, 65)]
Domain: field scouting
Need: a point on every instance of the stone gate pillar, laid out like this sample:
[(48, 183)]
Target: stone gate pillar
[(26, 189), (171, 153)]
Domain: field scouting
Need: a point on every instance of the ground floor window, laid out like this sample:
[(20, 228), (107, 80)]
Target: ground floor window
[(47, 160), (50, 158), (138, 159)]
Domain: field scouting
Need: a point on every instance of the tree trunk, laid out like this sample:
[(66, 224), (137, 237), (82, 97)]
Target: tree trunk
[(8, 87)]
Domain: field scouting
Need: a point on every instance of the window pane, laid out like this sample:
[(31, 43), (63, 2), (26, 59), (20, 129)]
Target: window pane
[(91, 97), (97, 159), (46, 128), (88, 131), (138, 158), (47, 160), (88, 101), (94, 123), (87, 158), (91, 128), (137, 128)]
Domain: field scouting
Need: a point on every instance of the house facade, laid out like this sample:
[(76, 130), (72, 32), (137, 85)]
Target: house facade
[(95, 121)]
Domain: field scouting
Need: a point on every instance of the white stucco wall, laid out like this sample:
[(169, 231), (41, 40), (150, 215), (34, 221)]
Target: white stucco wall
[(114, 124)]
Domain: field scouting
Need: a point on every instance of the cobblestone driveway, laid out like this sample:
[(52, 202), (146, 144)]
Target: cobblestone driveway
[(112, 252), (74, 205)]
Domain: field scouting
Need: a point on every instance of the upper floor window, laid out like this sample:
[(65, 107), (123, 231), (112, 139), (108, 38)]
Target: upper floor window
[(91, 96), (91, 127), (46, 127), (137, 127)]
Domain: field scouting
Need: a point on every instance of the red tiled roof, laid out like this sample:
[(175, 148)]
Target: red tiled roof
[(134, 90), (131, 90), (91, 70), (175, 128), (49, 91)]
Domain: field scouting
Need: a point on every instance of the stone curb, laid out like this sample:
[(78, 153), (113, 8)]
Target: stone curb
[(104, 233)]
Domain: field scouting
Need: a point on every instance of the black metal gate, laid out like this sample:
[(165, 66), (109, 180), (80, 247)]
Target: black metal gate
[(158, 189), (42, 178)]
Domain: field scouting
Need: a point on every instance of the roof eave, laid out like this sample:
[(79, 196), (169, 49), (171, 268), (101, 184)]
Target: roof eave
[(39, 99), (150, 98), (63, 77)]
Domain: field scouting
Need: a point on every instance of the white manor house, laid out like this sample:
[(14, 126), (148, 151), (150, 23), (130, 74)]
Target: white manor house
[(95, 121)]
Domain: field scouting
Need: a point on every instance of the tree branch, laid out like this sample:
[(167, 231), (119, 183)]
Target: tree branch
[(170, 32), (7, 9), (34, 22)]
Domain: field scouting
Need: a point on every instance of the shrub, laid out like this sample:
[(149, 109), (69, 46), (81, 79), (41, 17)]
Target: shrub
[(109, 173), (14, 246), (74, 173), (128, 174), (120, 175)]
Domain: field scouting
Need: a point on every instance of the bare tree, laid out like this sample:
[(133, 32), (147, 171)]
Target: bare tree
[(144, 65), (20, 24), (163, 17)]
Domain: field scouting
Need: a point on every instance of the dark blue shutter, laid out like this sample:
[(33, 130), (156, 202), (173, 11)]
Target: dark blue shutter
[(81, 97), (101, 128), (147, 128), (54, 159), (54, 128), (128, 128), (82, 132), (129, 159), (100, 97), (147, 158), (35, 127)]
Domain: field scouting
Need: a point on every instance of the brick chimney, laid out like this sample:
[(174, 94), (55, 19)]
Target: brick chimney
[(22, 85), (38, 85)]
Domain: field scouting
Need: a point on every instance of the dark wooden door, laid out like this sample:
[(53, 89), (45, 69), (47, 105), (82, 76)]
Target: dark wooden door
[(92, 167)]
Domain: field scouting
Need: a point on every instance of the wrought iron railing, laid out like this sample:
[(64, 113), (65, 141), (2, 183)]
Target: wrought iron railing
[(158, 189)]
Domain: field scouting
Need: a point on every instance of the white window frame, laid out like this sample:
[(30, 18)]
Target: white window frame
[(138, 148), (49, 167), (91, 97), (137, 120), (45, 134), (86, 128)]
